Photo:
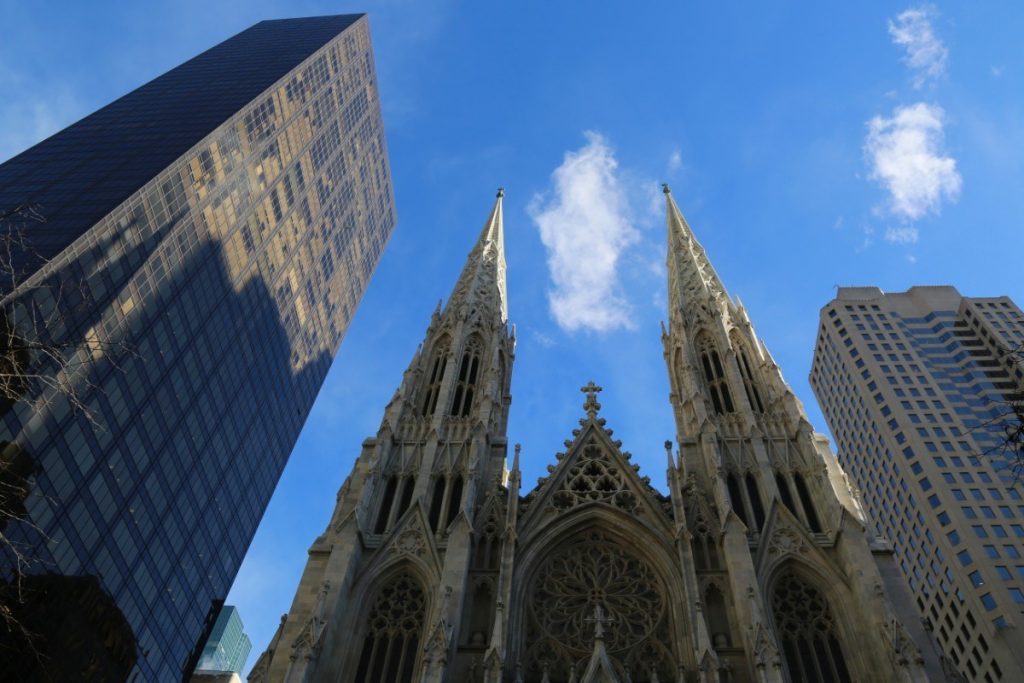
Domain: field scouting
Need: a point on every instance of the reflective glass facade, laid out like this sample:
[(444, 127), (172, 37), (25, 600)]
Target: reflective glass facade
[(228, 646), (209, 266)]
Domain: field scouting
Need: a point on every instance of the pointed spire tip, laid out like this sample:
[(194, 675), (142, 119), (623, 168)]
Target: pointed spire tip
[(666, 189), (501, 192)]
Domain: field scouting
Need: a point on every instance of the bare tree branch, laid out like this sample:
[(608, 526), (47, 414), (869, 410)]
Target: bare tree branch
[(49, 365), (1006, 417)]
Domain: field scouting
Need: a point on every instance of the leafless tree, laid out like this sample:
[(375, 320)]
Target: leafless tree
[(1007, 416), (43, 360), (40, 355)]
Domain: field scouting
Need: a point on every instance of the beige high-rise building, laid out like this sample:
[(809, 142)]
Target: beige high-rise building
[(753, 567), (912, 385)]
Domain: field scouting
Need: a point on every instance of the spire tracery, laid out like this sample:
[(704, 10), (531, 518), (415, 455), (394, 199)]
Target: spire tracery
[(693, 282), (480, 289)]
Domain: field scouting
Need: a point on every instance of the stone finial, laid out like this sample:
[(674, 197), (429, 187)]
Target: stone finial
[(665, 188), (591, 405), (501, 192)]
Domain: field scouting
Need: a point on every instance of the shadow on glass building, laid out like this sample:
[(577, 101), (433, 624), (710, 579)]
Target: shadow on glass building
[(195, 309)]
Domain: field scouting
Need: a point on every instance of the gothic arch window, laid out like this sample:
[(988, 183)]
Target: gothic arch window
[(784, 492), (486, 555), (445, 501), (594, 570), (705, 549), (454, 500), (755, 500), (807, 502), (736, 498), (716, 614), (393, 633), (432, 389), (388, 499), (437, 502), (408, 485), (466, 380), (397, 488), (480, 615), (714, 376), (808, 633), (749, 382)]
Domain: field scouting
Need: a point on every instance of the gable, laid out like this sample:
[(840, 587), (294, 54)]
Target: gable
[(594, 472), (783, 538)]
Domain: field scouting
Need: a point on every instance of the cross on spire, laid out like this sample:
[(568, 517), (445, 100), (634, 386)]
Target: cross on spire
[(599, 620), (591, 405)]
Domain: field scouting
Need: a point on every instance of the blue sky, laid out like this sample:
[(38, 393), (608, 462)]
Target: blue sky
[(810, 145)]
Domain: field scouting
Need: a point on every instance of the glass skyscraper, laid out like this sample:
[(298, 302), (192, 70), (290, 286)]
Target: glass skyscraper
[(228, 646), (195, 251)]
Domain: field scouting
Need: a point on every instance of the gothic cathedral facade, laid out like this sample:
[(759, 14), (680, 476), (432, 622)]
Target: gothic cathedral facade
[(756, 567)]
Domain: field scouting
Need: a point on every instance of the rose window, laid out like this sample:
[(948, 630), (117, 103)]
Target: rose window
[(579, 577)]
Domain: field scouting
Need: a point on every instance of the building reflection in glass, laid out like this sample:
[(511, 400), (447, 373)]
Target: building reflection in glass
[(207, 239)]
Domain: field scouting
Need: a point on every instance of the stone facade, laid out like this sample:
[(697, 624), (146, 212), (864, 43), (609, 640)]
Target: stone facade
[(756, 567)]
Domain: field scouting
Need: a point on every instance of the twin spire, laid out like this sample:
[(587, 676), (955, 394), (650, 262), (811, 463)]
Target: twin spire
[(482, 281), (692, 279)]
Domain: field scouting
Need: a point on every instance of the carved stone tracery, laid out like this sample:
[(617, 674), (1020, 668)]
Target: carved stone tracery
[(596, 573), (808, 631), (594, 477), (393, 633)]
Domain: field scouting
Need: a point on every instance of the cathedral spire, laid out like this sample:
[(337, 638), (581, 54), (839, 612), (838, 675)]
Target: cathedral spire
[(692, 279), (482, 281)]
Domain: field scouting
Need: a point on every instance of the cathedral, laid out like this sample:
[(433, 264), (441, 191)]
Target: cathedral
[(755, 566)]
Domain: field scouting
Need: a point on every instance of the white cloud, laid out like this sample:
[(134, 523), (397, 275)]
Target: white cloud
[(905, 235), (906, 157), (585, 223), (544, 340), (675, 160), (925, 54), (869, 239), (911, 259), (997, 71)]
